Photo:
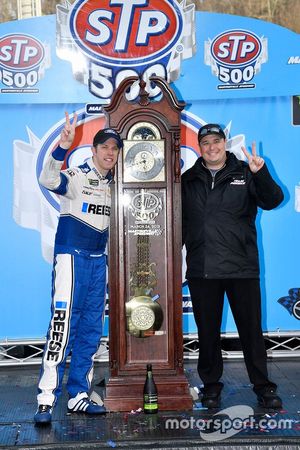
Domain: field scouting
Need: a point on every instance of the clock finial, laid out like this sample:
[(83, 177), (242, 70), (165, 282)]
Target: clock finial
[(144, 95)]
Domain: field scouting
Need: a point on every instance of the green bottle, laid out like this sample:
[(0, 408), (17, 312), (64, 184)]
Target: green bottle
[(150, 393)]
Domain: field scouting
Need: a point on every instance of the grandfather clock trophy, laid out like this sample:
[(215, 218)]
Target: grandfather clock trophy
[(145, 291)]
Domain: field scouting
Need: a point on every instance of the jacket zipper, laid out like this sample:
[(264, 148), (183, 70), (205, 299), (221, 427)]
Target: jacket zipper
[(213, 181), (213, 175)]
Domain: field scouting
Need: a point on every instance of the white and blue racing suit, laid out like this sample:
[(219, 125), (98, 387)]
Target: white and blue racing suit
[(78, 277)]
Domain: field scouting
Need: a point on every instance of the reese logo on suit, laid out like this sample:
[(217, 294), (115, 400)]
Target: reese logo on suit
[(57, 331), (90, 208)]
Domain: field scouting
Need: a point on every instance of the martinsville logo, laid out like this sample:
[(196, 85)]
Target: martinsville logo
[(228, 422), (23, 60), (235, 57), (109, 40), (294, 60)]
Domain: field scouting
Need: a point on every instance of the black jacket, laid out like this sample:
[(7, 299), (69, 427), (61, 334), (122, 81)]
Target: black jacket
[(219, 218)]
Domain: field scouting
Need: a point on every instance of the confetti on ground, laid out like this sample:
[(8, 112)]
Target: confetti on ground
[(198, 406), (136, 411)]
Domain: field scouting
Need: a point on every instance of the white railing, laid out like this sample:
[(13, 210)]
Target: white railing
[(29, 351)]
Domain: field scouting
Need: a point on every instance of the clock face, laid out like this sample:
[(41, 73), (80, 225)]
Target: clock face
[(144, 161)]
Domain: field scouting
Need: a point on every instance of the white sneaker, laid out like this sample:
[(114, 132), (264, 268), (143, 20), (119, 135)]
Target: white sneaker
[(82, 404)]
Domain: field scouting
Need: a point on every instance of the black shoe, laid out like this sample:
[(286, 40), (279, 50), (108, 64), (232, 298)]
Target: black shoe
[(211, 395), (43, 415), (211, 400), (269, 399)]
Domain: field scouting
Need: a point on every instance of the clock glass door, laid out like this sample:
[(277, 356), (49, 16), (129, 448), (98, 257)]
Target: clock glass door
[(146, 273)]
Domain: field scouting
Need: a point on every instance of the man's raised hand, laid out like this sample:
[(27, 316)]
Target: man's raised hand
[(68, 132), (255, 162)]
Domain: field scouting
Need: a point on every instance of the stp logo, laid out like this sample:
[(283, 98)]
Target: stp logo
[(145, 206), (21, 57), (20, 52), (235, 56), (123, 32), (236, 48)]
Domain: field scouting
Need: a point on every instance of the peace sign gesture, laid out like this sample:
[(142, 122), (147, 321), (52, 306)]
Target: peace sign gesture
[(68, 132), (255, 162)]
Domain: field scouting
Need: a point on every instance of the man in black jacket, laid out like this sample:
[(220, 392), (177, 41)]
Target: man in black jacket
[(220, 197)]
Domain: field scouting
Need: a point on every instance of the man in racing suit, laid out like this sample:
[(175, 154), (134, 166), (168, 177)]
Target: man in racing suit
[(79, 270), (220, 197)]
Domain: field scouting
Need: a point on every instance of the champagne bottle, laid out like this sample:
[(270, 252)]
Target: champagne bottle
[(150, 393)]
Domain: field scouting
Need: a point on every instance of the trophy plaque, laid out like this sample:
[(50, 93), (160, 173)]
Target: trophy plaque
[(145, 292)]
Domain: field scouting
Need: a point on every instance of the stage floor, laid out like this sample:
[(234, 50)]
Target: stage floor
[(238, 424)]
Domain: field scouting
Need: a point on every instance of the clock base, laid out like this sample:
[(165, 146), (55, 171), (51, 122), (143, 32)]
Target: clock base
[(126, 393)]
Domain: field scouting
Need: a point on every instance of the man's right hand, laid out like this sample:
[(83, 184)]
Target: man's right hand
[(68, 132)]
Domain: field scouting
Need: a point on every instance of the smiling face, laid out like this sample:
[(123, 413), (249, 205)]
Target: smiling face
[(213, 151), (105, 155)]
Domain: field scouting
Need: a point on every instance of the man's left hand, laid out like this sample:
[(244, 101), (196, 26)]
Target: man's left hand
[(255, 162)]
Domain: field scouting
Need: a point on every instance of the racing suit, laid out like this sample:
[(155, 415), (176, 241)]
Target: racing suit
[(78, 276)]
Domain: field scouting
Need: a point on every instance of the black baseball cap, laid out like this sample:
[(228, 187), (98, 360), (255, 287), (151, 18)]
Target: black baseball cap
[(102, 135), (210, 128)]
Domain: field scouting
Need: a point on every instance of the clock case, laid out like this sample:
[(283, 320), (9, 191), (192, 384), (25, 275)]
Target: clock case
[(158, 245)]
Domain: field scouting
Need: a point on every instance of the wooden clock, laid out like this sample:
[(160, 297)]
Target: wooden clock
[(145, 291)]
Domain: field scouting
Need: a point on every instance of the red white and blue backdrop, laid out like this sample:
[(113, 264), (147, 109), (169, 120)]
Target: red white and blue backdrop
[(242, 73)]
